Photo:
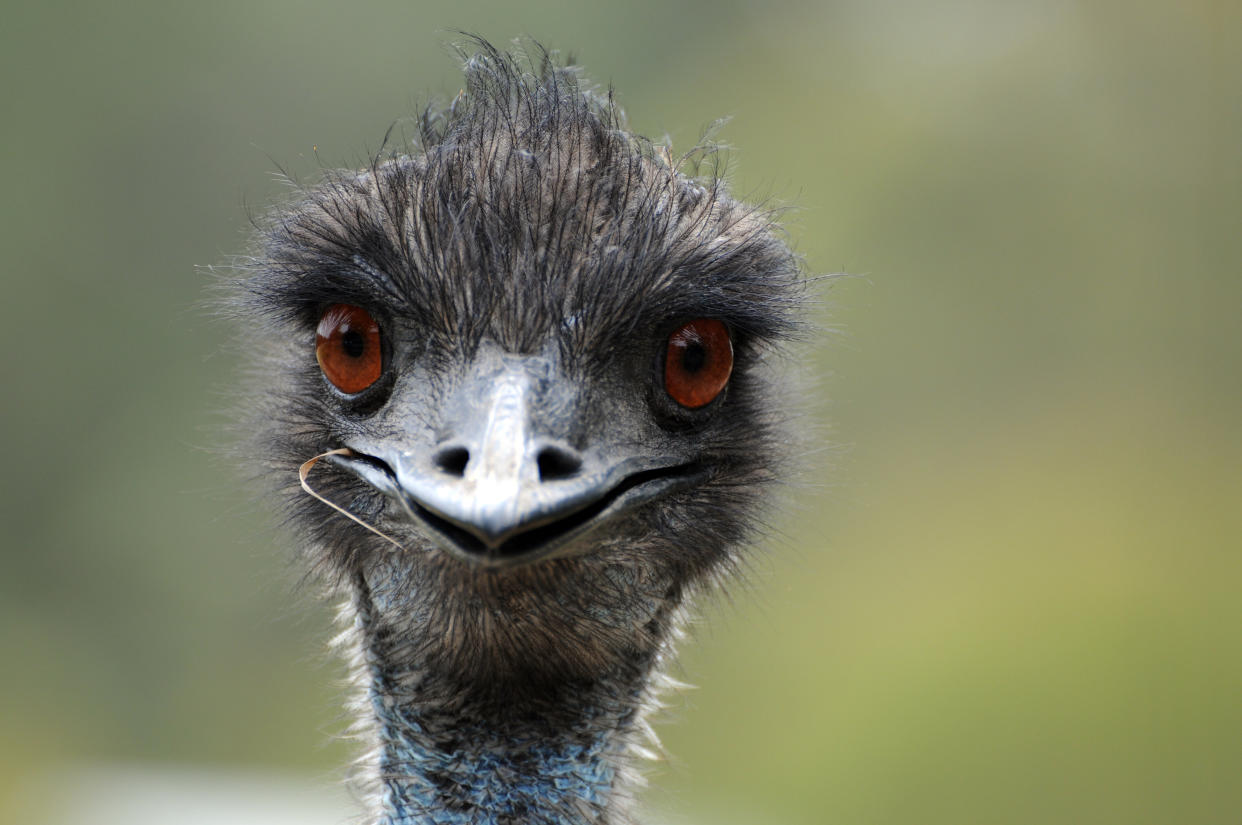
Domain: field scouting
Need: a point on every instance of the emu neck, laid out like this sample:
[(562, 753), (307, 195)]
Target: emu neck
[(439, 767), (500, 754)]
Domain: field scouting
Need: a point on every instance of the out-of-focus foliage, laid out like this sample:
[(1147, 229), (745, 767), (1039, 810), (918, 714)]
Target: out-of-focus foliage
[(1010, 587)]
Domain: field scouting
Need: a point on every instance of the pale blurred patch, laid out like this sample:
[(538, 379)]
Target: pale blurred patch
[(156, 795)]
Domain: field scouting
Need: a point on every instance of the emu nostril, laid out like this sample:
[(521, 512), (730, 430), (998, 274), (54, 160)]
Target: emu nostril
[(557, 463), (452, 460)]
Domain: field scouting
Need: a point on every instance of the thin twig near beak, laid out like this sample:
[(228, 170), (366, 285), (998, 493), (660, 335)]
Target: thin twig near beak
[(304, 471)]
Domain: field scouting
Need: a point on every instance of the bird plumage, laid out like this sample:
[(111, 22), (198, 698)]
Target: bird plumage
[(526, 263)]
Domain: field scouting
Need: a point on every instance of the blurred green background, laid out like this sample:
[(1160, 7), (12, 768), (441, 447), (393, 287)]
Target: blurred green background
[(1009, 589)]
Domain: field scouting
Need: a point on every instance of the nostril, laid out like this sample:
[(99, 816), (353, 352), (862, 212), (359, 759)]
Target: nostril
[(557, 463), (452, 460)]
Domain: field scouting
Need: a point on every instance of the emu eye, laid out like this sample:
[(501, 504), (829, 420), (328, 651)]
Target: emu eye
[(698, 362), (347, 347)]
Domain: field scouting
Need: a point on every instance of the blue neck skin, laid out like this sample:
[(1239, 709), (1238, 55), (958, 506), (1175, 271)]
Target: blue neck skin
[(486, 778)]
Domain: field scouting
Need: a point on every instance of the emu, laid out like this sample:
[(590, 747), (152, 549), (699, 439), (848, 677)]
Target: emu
[(535, 360)]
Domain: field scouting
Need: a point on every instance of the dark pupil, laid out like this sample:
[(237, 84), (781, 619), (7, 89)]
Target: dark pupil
[(352, 343), (693, 357)]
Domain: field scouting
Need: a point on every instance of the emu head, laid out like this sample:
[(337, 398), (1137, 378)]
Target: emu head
[(542, 354)]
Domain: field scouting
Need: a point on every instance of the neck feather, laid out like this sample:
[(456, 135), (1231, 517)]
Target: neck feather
[(516, 753)]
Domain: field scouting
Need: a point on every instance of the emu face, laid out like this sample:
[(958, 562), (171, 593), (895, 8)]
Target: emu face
[(504, 458), (542, 352)]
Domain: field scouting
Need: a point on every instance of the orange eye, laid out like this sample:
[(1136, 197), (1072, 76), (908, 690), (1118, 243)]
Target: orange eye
[(347, 346), (698, 363)]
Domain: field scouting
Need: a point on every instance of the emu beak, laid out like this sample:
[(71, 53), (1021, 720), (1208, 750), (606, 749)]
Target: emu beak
[(504, 490)]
